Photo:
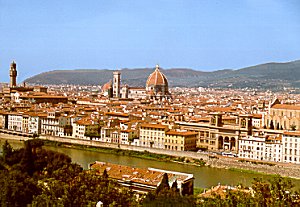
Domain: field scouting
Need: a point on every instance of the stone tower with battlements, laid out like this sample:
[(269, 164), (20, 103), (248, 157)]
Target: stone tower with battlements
[(13, 74)]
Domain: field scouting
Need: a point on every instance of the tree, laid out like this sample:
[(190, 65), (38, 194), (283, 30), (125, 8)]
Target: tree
[(281, 191), (262, 193), (293, 127), (17, 188), (7, 151), (35, 144), (105, 175), (271, 125), (27, 161), (86, 189), (164, 184)]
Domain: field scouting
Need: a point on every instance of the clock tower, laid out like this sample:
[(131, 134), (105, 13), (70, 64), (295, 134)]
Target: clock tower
[(13, 74)]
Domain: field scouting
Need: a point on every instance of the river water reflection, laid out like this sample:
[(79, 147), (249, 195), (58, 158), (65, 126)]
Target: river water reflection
[(205, 177)]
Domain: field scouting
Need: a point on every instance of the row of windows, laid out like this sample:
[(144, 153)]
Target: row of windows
[(295, 159), (291, 145)]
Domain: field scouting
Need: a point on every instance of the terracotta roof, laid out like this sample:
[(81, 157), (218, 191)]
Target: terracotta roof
[(157, 78), (292, 133), (154, 126), (138, 175), (257, 116), (286, 106), (107, 86)]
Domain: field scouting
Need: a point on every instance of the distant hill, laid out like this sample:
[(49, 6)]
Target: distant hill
[(266, 76)]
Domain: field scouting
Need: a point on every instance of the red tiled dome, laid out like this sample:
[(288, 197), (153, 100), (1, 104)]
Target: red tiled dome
[(157, 78), (107, 86)]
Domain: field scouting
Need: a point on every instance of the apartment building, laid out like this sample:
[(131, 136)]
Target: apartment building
[(261, 148), (85, 128), (15, 121), (180, 140), (291, 147), (55, 124), (153, 135)]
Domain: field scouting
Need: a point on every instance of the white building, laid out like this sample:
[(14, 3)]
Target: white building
[(291, 147), (126, 136), (55, 124), (34, 124), (15, 121), (85, 129), (251, 147), (273, 149)]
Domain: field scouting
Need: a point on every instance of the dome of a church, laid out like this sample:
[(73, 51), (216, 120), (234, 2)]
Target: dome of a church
[(107, 86), (157, 85), (157, 78)]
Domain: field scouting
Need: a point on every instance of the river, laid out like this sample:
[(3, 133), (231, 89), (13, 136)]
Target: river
[(205, 177)]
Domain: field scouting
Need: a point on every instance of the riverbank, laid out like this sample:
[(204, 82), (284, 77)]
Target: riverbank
[(282, 169), (144, 155)]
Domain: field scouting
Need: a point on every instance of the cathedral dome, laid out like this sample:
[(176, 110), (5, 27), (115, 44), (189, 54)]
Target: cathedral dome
[(107, 86), (157, 85), (157, 78)]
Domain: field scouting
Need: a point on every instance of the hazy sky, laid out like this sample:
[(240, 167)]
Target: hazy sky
[(42, 35)]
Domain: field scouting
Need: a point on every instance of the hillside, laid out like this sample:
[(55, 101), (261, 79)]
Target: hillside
[(267, 76)]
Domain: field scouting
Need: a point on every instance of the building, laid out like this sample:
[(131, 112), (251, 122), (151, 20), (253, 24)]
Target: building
[(261, 148), (157, 85), (127, 136), (284, 116), (13, 75), (181, 140), (34, 123), (153, 135), (291, 147), (116, 84), (215, 135), (86, 128), (144, 180), (15, 121), (55, 124)]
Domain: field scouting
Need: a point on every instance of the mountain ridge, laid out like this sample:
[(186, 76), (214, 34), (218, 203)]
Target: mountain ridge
[(266, 75)]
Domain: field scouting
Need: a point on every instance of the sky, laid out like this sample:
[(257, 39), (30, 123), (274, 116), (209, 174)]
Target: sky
[(109, 34)]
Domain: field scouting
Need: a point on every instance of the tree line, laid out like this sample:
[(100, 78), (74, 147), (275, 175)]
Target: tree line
[(34, 176)]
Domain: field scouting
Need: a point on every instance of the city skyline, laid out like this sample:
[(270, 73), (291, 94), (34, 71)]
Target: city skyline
[(43, 36)]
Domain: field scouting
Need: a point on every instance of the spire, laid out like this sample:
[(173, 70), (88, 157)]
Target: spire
[(157, 67)]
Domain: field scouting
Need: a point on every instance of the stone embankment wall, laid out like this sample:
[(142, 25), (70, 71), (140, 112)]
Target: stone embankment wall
[(283, 169)]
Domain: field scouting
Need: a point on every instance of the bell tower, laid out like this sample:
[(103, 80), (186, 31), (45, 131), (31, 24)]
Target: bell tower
[(116, 84), (13, 74)]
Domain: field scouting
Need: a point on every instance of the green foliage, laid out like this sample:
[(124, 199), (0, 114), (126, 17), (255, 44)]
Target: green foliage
[(7, 151), (41, 177), (164, 184), (168, 198), (17, 188), (86, 188), (275, 192)]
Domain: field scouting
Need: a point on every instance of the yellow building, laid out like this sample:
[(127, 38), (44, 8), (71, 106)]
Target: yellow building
[(180, 140), (153, 135), (216, 135)]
